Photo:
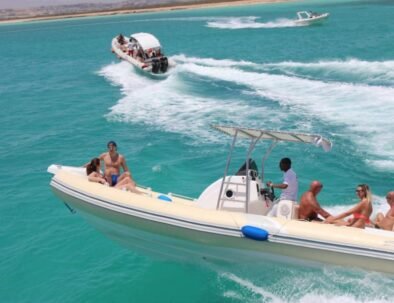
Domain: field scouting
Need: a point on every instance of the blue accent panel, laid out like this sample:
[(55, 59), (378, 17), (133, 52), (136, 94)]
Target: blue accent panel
[(254, 233), (164, 198)]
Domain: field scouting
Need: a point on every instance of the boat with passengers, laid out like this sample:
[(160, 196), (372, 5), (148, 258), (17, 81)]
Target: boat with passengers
[(143, 51), (309, 17), (235, 219)]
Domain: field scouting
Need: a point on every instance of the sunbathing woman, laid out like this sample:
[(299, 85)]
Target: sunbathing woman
[(360, 212), (93, 172), (94, 175)]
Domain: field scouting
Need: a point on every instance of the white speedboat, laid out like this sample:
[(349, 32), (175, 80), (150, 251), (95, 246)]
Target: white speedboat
[(235, 218), (143, 51), (308, 17)]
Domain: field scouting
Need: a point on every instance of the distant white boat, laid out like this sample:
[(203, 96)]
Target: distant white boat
[(308, 17), (144, 51)]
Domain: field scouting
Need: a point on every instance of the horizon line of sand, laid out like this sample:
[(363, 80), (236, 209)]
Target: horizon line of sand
[(214, 3)]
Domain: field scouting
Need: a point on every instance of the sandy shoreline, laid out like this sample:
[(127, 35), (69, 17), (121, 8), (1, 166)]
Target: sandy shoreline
[(209, 4)]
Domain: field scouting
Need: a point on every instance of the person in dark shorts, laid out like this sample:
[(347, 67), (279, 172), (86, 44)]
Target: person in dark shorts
[(310, 208)]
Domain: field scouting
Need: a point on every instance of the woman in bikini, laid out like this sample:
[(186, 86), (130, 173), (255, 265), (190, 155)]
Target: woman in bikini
[(94, 175), (93, 171), (361, 212)]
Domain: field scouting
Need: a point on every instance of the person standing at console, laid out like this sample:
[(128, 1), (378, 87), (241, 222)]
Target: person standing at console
[(289, 186)]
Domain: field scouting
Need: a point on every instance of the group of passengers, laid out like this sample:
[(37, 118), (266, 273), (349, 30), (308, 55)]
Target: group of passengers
[(113, 162), (310, 209), (131, 48)]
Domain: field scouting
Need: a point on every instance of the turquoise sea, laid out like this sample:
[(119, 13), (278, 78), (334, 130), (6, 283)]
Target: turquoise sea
[(63, 95)]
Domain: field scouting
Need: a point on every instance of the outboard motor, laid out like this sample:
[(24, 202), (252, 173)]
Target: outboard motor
[(163, 64), (155, 66)]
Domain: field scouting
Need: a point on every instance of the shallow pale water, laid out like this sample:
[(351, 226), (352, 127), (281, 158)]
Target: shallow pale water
[(63, 95)]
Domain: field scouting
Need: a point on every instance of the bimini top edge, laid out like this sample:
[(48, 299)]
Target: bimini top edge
[(146, 41), (261, 134)]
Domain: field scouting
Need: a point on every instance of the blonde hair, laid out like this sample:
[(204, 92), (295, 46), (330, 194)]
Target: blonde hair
[(368, 193)]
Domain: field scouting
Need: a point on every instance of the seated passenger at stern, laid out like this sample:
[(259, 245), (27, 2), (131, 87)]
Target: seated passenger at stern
[(113, 162), (386, 222), (121, 39), (94, 175), (309, 206), (361, 212)]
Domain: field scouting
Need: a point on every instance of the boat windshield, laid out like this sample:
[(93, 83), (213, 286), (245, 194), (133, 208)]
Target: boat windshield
[(304, 15), (252, 165)]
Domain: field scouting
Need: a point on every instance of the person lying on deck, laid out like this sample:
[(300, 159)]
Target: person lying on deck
[(361, 212)]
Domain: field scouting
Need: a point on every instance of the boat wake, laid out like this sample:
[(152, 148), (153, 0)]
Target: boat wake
[(249, 22), (354, 70), (227, 22), (206, 90), (174, 99), (379, 205), (329, 284)]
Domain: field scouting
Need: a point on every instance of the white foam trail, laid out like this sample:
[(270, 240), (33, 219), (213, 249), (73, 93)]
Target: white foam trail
[(379, 205), (167, 105), (365, 111), (250, 22), (184, 19), (156, 168), (371, 72), (252, 287), (213, 62), (382, 164), (358, 71), (123, 74), (310, 287)]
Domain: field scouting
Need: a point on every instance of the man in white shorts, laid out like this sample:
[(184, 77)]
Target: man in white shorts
[(289, 186)]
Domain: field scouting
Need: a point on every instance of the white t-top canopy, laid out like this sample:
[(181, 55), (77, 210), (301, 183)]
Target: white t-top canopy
[(146, 41), (262, 134)]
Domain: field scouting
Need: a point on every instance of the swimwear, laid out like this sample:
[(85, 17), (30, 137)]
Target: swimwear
[(361, 216), (114, 179)]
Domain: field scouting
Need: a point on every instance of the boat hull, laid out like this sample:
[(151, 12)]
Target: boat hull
[(140, 66), (313, 20), (162, 236)]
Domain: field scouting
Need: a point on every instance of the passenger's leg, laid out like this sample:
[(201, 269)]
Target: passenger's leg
[(123, 176), (379, 218), (128, 184)]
